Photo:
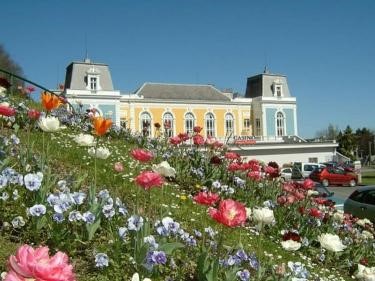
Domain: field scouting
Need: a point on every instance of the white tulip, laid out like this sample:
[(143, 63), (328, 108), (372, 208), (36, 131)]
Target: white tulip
[(101, 152), (331, 242), (50, 124), (263, 215), (136, 278), (84, 140), (164, 169), (365, 273), (291, 245)]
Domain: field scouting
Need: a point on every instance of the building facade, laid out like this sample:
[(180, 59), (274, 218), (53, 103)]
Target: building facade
[(266, 112)]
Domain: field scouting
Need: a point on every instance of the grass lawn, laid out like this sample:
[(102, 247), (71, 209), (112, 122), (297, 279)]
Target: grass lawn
[(368, 178)]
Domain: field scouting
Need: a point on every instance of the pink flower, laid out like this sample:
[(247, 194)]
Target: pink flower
[(175, 140), (232, 155), (36, 264), (118, 167), (183, 136), (198, 140), (142, 155), (148, 179), (254, 175), (230, 213), (206, 198)]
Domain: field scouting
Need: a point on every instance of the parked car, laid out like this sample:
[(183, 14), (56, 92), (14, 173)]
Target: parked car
[(331, 175), (302, 170), (286, 174), (361, 203)]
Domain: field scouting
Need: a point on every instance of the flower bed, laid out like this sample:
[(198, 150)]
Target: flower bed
[(125, 207)]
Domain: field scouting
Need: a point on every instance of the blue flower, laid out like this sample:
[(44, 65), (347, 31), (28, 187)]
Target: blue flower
[(135, 222), (156, 257), (253, 261), (122, 232), (32, 182), (78, 197), (58, 217), (75, 216), (216, 184), (3, 181), (244, 275), (88, 217), (37, 210), (151, 241), (241, 254), (101, 260), (298, 270)]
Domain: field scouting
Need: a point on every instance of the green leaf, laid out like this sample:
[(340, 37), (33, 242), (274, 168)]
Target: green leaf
[(41, 223), (92, 228), (168, 248)]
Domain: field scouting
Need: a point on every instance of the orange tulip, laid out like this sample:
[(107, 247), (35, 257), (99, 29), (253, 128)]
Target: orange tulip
[(101, 125), (50, 101)]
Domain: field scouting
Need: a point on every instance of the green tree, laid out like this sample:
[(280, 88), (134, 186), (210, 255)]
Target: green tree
[(347, 142), (8, 64)]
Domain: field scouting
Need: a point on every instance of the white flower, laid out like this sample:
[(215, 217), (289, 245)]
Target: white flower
[(84, 140), (312, 192), (248, 213), (164, 169), (367, 235), (363, 222), (365, 273), (101, 152), (18, 222), (50, 124), (338, 216), (263, 215), (331, 242), (136, 278), (37, 210), (290, 245)]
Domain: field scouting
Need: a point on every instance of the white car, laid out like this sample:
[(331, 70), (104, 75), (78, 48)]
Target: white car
[(286, 174)]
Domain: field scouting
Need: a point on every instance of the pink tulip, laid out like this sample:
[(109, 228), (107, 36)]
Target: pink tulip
[(148, 179), (36, 264)]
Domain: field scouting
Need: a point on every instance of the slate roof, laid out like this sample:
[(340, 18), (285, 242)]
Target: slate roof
[(181, 92), (76, 74)]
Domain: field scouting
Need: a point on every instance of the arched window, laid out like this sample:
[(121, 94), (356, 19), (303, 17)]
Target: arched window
[(189, 122), (210, 125), (280, 124), (168, 124), (229, 125), (145, 124)]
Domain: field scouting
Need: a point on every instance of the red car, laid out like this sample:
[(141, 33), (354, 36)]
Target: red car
[(332, 175)]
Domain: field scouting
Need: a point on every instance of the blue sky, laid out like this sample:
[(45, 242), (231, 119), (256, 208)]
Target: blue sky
[(325, 47)]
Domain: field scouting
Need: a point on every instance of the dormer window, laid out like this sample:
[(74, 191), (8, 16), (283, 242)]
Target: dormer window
[(277, 88), (93, 83), (93, 79)]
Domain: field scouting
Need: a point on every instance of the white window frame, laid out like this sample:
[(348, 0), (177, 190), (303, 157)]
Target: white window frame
[(280, 124), (189, 122), (149, 119), (229, 124), (209, 121), (168, 116), (258, 127)]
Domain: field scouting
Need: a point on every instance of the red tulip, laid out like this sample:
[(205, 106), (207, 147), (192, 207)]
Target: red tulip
[(175, 140), (33, 114), (7, 111), (314, 212), (232, 155), (197, 129), (206, 198), (254, 175), (142, 155), (308, 184), (230, 213), (148, 179)]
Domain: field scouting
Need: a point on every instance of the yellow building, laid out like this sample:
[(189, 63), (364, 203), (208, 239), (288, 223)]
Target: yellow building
[(267, 110)]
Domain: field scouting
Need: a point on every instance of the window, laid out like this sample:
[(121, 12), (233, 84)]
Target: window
[(93, 83), (246, 124), (313, 160), (257, 127), (278, 91), (229, 125), (210, 125), (146, 124), (280, 124), (168, 124), (189, 123)]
